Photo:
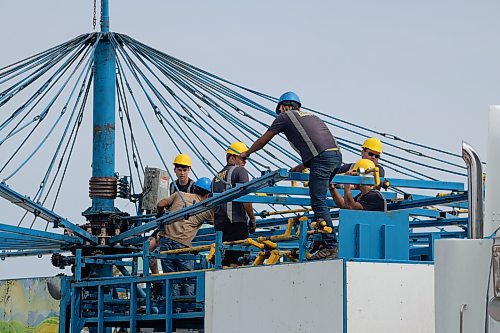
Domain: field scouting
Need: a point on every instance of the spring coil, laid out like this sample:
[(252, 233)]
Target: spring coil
[(103, 187)]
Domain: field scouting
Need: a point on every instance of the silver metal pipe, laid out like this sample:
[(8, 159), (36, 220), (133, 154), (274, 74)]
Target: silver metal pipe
[(463, 307), (475, 191)]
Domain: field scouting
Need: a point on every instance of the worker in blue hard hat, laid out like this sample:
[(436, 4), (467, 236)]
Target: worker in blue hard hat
[(180, 234), (319, 152)]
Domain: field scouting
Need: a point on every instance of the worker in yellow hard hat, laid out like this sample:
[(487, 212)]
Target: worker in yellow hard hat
[(370, 150), (182, 167), (235, 219), (369, 197)]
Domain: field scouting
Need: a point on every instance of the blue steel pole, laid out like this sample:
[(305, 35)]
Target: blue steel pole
[(103, 157), (105, 16)]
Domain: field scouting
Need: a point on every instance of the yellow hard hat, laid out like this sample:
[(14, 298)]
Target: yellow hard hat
[(236, 148), (182, 159), (373, 144), (364, 164)]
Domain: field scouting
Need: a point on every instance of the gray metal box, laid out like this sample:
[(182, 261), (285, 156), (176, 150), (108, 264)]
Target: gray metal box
[(156, 183)]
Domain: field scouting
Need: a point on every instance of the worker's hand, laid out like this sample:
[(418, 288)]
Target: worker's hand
[(252, 225), (298, 168), (244, 155), (333, 186)]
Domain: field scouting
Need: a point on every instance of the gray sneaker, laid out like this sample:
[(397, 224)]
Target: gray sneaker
[(326, 253)]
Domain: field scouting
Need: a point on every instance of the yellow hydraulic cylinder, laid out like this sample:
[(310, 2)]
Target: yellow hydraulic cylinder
[(260, 259), (289, 211), (269, 244), (211, 253), (274, 257), (195, 249)]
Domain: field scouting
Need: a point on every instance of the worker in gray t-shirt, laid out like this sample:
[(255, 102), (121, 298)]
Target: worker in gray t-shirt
[(318, 150)]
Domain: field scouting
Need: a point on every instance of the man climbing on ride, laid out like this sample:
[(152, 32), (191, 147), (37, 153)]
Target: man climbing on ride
[(182, 167), (319, 151), (369, 197), (234, 219), (370, 150), (180, 234)]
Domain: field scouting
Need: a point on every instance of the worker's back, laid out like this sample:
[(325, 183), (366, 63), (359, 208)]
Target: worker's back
[(306, 132)]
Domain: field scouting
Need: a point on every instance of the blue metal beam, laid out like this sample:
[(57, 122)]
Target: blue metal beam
[(405, 183), (294, 201), (241, 189), (38, 235), (290, 190), (27, 253), (430, 201), (38, 210), (462, 205), (458, 221)]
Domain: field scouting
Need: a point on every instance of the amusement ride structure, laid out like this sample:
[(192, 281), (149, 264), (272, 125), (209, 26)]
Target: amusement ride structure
[(167, 106)]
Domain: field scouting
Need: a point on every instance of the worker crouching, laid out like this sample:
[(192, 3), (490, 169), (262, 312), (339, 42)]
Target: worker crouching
[(369, 197)]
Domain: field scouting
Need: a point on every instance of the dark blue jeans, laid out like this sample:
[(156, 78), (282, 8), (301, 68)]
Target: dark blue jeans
[(322, 169), (176, 265)]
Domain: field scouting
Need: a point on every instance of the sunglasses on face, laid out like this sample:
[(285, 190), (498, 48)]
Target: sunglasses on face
[(373, 154)]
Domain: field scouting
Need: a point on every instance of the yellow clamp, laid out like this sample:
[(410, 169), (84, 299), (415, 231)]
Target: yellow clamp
[(322, 226), (274, 257), (260, 259), (211, 253)]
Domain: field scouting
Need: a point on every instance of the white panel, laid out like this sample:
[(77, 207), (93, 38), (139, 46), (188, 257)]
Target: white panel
[(390, 297), (462, 271), (492, 207), (302, 297)]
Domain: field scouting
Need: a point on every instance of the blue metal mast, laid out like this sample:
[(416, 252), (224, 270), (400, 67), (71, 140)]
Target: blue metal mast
[(103, 182)]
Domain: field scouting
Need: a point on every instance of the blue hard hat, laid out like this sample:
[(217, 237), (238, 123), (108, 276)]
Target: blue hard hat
[(204, 183), (289, 96)]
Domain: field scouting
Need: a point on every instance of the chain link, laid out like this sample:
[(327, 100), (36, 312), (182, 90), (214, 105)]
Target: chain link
[(94, 21)]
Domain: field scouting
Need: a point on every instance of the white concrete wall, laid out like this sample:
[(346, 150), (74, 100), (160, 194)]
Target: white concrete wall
[(492, 205), (305, 297), (390, 297), (462, 272)]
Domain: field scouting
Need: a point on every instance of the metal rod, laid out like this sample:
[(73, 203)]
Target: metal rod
[(105, 15), (463, 307), (475, 191), (103, 151)]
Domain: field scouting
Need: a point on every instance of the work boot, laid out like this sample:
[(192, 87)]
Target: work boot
[(326, 253)]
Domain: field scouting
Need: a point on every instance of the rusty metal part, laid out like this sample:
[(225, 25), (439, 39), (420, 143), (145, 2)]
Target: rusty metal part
[(103, 187)]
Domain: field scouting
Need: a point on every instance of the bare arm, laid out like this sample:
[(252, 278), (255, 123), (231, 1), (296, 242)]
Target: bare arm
[(349, 200), (165, 202), (249, 210), (259, 143), (337, 198)]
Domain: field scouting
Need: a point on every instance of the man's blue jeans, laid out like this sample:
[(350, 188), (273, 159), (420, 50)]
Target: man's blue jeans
[(176, 265), (322, 169)]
